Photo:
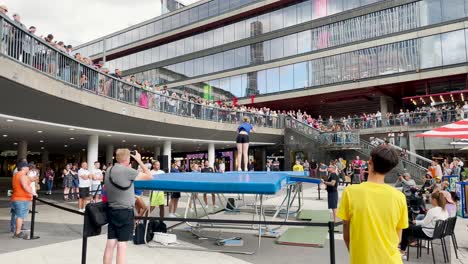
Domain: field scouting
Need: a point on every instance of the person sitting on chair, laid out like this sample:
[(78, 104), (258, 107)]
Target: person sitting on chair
[(425, 228)]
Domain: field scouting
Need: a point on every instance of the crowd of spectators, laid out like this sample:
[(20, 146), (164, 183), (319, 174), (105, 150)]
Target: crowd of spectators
[(160, 98), (420, 116)]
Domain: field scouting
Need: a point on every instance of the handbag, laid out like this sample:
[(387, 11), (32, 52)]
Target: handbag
[(97, 211)]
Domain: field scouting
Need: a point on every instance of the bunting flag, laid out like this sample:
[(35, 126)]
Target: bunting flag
[(458, 129), (252, 98), (219, 102), (234, 101)]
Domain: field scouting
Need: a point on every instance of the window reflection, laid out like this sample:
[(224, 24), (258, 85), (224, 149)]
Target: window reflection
[(273, 80), (453, 47), (431, 52)]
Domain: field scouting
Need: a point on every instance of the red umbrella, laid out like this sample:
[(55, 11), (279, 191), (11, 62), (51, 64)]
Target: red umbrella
[(458, 129)]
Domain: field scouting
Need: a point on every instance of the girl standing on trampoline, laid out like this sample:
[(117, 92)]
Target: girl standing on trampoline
[(242, 141)]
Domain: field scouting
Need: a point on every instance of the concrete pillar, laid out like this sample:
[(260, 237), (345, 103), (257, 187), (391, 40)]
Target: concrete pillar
[(22, 150), (45, 161), (211, 154), (93, 150), (383, 105), (157, 152), (167, 152), (109, 154), (263, 158)]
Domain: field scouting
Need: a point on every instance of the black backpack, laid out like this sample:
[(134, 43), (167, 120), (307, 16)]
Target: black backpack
[(153, 226)]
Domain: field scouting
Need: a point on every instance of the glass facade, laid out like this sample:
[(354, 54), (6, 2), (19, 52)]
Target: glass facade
[(360, 28), (289, 16), (406, 56), (188, 16)]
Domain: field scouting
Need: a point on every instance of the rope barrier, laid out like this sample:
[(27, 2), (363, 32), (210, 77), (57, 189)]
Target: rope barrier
[(331, 225)]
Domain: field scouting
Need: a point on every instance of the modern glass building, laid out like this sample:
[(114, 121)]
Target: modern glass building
[(316, 54)]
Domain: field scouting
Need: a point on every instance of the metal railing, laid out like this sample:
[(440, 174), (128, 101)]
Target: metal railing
[(18, 44), (411, 156), (414, 118), (415, 170), (326, 139)]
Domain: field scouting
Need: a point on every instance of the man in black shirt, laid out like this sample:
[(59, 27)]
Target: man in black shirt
[(332, 189), (208, 169)]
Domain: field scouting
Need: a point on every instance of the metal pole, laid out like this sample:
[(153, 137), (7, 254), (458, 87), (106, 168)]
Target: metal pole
[(84, 245), (33, 219), (331, 231)]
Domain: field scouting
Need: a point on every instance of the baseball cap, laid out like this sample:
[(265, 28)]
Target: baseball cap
[(22, 164)]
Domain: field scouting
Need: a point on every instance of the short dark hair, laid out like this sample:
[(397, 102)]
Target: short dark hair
[(384, 158)]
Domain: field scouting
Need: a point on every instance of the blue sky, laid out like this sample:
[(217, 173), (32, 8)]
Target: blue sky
[(76, 22)]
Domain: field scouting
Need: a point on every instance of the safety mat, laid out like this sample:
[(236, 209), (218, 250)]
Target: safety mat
[(305, 237)]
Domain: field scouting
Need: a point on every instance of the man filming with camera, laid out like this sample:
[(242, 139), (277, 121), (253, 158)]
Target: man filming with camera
[(121, 199)]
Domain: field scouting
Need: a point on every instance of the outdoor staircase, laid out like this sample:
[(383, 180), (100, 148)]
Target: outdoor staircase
[(350, 140), (325, 140), (406, 165)]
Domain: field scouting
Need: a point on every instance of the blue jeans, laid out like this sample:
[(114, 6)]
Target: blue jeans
[(49, 185), (18, 209)]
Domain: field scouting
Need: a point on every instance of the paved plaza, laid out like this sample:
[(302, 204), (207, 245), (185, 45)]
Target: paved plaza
[(60, 241)]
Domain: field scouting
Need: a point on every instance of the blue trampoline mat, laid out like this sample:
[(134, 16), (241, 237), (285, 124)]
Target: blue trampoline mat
[(292, 176), (241, 182)]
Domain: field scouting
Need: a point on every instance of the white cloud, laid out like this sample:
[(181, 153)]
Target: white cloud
[(76, 22)]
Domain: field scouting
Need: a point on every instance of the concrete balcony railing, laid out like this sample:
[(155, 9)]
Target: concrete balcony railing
[(21, 46)]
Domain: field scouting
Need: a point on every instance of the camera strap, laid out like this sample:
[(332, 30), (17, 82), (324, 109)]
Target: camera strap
[(115, 184)]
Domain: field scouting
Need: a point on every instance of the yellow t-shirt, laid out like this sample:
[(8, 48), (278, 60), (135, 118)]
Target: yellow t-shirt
[(375, 212), (298, 168)]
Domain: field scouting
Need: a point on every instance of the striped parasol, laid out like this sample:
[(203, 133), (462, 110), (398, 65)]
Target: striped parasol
[(458, 129)]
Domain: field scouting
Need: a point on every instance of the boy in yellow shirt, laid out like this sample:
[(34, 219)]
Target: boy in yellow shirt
[(298, 166), (374, 213)]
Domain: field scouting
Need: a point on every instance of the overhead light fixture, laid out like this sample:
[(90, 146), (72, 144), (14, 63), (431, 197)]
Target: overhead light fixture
[(72, 138), (41, 141), (442, 98), (71, 129), (66, 146), (5, 135), (10, 120), (83, 149), (123, 141), (109, 135), (42, 147), (39, 131), (15, 143), (134, 146)]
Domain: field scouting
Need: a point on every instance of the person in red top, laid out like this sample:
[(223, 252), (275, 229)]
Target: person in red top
[(20, 199)]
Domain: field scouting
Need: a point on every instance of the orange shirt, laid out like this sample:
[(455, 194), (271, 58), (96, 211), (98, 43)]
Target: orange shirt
[(19, 193)]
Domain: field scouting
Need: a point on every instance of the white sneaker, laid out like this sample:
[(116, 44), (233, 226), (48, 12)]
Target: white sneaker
[(172, 215), (216, 206), (191, 210), (239, 170)]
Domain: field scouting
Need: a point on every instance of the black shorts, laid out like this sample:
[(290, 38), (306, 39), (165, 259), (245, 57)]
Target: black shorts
[(175, 195), (84, 192), (332, 200), (120, 224), (242, 138)]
